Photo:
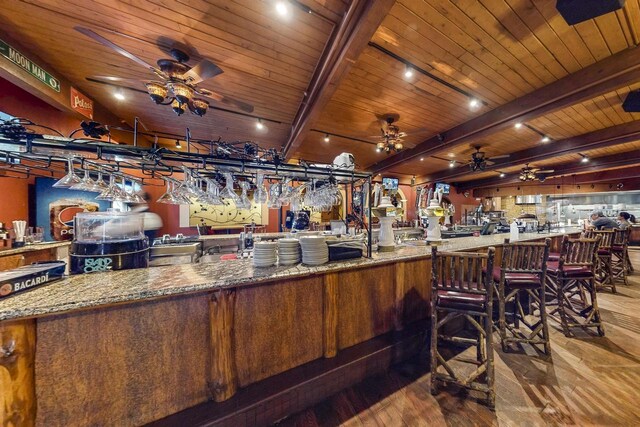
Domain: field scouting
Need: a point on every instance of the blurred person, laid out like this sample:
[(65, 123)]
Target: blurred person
[(151, 220), (625, 220), (601, 222)]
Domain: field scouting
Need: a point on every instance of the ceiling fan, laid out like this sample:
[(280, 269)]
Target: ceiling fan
[(176, 82), (390, 133), (479, 160), (531, 174)]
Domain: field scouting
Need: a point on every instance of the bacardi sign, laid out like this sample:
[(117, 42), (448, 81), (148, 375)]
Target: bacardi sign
[(81, 103)]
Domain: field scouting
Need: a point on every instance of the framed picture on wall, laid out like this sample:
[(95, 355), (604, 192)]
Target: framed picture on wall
[(57, 207)]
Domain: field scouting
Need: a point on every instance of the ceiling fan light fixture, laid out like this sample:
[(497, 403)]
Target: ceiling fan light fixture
[(199, 107), (398, 146), (380, 146), (182, 92), (178, 107), (157, 91)]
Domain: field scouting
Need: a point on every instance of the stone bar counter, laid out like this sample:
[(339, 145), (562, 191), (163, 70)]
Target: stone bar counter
[(132, 347)]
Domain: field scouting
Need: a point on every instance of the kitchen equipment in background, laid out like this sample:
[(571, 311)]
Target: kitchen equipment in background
[(301, 220), (105, 241), (529, 200), (174, 253)]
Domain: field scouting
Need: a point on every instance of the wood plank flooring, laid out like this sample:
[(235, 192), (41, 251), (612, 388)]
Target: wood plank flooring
[(589, 381)]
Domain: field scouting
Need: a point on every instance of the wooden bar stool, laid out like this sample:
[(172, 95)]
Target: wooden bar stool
[(523, 273), (461, 290), (604, 267), (620, 256), (574, 275)]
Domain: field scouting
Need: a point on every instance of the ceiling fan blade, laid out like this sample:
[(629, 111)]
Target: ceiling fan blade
[(502, 156), (97, 37), (546, 171), (203, 70), (226, 100)]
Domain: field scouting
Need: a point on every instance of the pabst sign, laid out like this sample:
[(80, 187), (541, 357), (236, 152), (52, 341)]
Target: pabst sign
[(81, 103)]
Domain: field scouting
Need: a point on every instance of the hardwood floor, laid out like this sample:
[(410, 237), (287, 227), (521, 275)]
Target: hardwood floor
[(588, 381)]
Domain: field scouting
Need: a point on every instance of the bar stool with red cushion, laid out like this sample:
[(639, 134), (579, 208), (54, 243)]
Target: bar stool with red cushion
[(604, 267), (460, 290), (574, 275), (620, 256), (523, 272)]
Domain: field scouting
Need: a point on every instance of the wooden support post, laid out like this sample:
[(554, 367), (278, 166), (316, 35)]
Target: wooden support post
[(224, 379), (330, 315), (399, 286), (17, 373)]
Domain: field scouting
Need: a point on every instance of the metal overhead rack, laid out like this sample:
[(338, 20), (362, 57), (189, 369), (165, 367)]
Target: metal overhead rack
[(158, 162)]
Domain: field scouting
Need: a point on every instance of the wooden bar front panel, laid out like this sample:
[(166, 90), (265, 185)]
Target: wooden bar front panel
[(365, 304), (123, 365), (277, 327)]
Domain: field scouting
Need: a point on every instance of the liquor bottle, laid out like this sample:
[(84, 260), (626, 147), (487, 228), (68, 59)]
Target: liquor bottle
[(4, 236)]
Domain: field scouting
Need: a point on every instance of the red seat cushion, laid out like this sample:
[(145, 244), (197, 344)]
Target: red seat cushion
[(460, 300), (554, 256), (604, 252), (572, 271), (618, 248), (516, 280)]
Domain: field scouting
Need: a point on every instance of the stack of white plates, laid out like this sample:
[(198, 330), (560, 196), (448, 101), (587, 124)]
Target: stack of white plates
[(288, 251), (314, 250), (264, 254)]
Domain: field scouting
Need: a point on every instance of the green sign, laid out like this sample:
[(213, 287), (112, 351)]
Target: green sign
[(29, 66)]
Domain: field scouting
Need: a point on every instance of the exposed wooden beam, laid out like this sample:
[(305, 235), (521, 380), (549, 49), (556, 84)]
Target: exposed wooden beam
[(609, 74), (562, 169), (348, 40), (615, 135)]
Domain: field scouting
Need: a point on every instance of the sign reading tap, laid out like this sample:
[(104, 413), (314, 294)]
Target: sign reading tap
[(81, 103), (29, 66)]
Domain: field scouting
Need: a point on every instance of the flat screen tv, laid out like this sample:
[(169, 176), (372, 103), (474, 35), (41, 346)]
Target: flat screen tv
[(445, 187), (390, 183)]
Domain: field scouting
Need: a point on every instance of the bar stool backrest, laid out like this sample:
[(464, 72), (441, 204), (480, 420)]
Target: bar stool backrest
[(462, 272), (621, 237), (578, 252), (606, 237), (530, 257)]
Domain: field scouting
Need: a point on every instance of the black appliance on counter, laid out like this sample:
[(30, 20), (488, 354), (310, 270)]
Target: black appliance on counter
[(106, 241)]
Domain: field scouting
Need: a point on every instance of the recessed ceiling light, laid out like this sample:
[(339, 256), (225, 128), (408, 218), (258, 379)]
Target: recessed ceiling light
[(408, 73), (259, 124), (282, 8), (452, 164), (518, 125), (326, 138), (119, 96), (501, 174), (178, 144), (585, 159), (545, 139), (422, 159), (474, 103)]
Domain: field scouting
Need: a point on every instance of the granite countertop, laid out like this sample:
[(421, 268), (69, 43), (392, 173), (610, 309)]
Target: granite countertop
[(100, 289), (32, 248)]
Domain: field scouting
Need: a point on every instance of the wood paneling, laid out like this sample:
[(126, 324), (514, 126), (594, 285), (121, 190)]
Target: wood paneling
[(268, 61), (365, 294), (129, 365), (278, 327)]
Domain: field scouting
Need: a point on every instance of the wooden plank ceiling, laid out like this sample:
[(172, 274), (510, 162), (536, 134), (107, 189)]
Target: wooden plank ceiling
[(267, 62), (494, 50)]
